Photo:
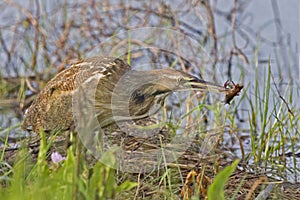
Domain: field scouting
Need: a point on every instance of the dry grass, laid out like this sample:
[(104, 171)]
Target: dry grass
[(260, 128)]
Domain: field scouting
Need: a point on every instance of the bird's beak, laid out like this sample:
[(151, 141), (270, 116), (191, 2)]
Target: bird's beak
[(194, 83)]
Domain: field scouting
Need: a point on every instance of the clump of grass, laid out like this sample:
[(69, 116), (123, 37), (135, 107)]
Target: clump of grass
[(72, 178), (273, 126)]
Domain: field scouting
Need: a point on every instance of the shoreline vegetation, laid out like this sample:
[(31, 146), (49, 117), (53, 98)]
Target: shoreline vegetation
[(246, 150)]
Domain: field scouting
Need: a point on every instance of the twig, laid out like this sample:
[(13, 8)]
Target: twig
[(236, 49), (281, 97), (255, 185), (138, 187), (212, 31)]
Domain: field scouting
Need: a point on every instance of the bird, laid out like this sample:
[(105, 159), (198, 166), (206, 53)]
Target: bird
[(121, 93)]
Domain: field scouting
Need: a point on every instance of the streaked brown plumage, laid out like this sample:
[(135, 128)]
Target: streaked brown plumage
[(143, 91)]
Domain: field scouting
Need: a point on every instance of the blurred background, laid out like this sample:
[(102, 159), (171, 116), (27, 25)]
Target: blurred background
[(216, 40)]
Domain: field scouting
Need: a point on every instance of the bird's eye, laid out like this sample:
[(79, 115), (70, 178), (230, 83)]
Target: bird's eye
[(180, 80)]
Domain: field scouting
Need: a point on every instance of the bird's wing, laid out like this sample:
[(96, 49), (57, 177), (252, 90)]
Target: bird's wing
[(57, 94)]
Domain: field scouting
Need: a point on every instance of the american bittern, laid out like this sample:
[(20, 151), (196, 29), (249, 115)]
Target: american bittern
[(52, 109)]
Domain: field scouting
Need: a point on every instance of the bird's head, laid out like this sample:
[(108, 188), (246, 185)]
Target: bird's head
[(152, 87)]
